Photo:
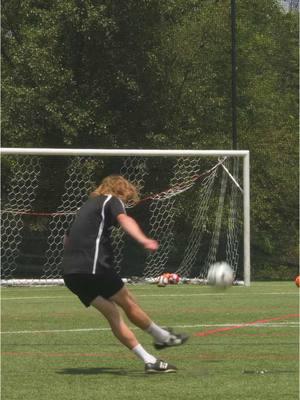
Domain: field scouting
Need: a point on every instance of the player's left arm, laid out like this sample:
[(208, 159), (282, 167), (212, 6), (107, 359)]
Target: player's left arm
[(132, 228), (66, 240)]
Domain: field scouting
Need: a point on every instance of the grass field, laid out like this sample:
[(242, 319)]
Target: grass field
[(244, 345)]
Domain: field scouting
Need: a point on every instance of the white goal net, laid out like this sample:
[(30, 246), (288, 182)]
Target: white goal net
[(195, 203)]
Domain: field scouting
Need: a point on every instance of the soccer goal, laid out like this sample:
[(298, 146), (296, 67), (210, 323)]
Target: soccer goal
[(196, 203)]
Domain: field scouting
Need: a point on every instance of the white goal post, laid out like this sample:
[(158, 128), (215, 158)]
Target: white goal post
[(185, 175)]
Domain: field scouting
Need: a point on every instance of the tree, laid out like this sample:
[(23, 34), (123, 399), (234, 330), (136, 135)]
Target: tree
[(78, 73)]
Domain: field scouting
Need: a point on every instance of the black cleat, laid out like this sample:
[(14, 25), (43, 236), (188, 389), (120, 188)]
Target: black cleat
[(159, 367), (176, 339)]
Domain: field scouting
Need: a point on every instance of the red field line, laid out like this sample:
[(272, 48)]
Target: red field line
[(289, 335), (245, 325)]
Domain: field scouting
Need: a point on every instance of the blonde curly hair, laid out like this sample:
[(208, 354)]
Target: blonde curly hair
[(117, 186)]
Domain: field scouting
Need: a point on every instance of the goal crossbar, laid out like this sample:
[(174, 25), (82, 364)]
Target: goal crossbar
[(122, 152)]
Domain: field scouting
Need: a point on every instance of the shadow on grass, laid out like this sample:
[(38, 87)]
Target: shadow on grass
[(102, 371), (119, 372)]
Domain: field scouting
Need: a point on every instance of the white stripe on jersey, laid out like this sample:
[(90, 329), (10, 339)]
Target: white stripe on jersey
[(100, 233)]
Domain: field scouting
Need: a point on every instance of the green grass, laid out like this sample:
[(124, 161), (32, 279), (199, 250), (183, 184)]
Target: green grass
[(50, 361)]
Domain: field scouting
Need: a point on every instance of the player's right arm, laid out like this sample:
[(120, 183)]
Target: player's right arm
[(132, 228)]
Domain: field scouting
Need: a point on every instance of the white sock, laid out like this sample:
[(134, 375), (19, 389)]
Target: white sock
[(160, 334), (143, 354)]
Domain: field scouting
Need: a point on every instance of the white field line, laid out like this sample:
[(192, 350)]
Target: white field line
[(258, 325), (155, 295)]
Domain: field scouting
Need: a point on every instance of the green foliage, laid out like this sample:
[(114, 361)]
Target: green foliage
[(157, 74)]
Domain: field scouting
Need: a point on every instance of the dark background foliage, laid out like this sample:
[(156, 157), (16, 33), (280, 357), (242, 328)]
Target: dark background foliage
[(157, 74)]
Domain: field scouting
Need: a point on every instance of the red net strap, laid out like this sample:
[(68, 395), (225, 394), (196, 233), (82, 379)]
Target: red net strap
[(165, 194)]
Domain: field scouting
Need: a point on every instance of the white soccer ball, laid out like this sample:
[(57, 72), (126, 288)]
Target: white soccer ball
[(220, 274)]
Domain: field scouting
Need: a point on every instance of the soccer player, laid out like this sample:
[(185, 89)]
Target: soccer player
[(89, 273)]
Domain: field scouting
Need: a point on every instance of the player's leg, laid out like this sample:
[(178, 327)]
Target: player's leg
[(122, 332), (110, 311), (134, 312), (162, 337)]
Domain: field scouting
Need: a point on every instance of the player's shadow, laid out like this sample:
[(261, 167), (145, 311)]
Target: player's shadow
[(101, 371)]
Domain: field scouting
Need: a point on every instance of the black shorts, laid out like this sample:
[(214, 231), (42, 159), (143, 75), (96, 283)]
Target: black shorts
[(87, 286)]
